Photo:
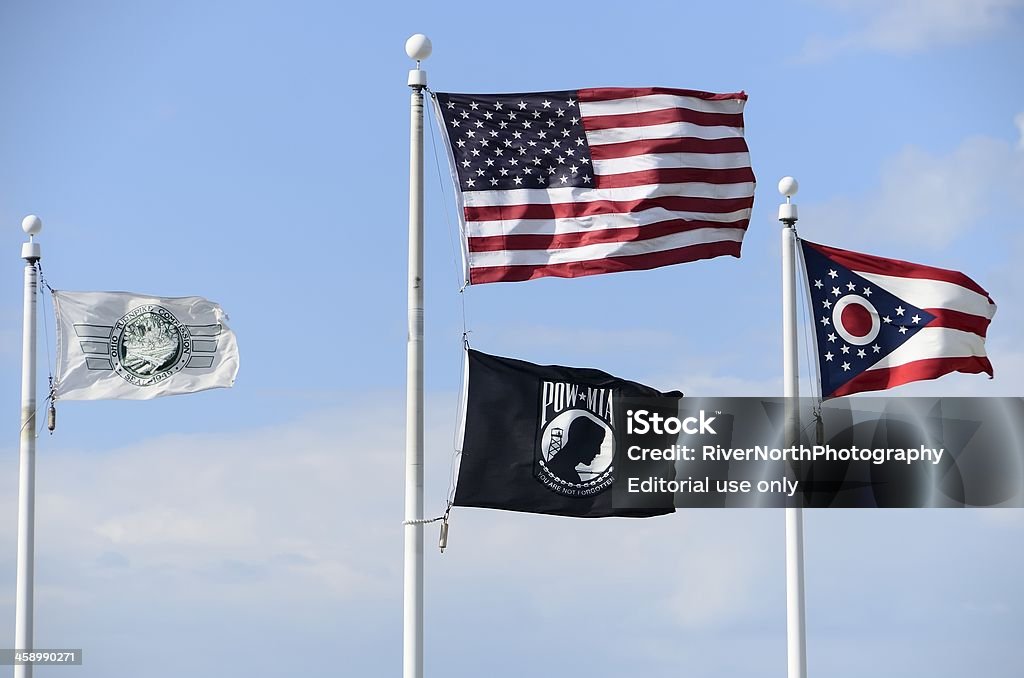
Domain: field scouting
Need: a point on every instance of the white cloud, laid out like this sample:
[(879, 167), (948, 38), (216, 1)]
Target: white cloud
[(311, 510), (712, 585), (904, 26), (714, 385), (1019, 121), (720, 584), (927, 198), (238, 529), (585, 341), (706, 375), (186, 511)]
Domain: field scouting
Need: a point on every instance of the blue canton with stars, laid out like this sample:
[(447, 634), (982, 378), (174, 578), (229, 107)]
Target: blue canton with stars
[(510, 141), (832, 284)]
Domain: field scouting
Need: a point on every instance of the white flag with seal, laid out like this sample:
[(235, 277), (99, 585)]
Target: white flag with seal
[(134, 346)]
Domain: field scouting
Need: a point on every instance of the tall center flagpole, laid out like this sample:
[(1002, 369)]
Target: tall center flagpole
[(796, 637), (417, 47), (31, 253)]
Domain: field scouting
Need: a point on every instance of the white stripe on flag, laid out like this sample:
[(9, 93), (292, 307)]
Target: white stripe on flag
[(555, 196), (636, 163), (658, 102), (926, 293), (596, 222), (934, 342), (668, 130), (603, 250)]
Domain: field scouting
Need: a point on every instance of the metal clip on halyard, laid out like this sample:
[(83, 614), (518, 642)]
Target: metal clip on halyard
[(442, 540), (51, 398), (51, 413)]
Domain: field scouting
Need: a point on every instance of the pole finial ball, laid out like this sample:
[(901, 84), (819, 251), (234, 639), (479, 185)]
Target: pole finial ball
[(32, 224), (418, 47), (788, 186)]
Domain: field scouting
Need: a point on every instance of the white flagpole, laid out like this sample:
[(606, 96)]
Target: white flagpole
[(795, 628), (31, 253), (417, 47)]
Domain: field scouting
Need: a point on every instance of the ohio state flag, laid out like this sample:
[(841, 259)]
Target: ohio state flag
[(884, 322)]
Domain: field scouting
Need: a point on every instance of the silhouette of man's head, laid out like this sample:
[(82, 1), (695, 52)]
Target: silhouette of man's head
[(584, 441), (582, 445)]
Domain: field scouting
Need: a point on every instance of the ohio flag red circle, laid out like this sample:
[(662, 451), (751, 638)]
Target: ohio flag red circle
[(855, 319)]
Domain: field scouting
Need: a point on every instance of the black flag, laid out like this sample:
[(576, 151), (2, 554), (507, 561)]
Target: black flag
[(548, 439)]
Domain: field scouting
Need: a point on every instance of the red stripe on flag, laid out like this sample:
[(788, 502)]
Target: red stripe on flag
[(931, 368), (869, 263), (662, 117), (572, 210), (958, 320), (497, 243), (577, 269), (628, 149), (675, 175), (612, 93)]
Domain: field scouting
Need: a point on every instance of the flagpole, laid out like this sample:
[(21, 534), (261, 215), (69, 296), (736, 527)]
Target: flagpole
[(417, 47), (795, 628), (31, 253)]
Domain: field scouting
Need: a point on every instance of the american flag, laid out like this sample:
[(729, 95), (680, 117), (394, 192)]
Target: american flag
[(883, 322), (589, 181)]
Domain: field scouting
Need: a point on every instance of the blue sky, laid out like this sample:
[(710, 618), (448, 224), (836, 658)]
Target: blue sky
[(256, 154)]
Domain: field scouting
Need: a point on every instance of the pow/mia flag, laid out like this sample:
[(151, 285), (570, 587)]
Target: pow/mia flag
[(550, 439), (133, 346)]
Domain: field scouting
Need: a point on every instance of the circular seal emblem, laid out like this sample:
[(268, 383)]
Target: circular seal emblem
[(577, 450), (856, 320), (148, 345)]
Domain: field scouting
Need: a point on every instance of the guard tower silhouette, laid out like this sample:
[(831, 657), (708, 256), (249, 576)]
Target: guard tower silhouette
[(555, 446)]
